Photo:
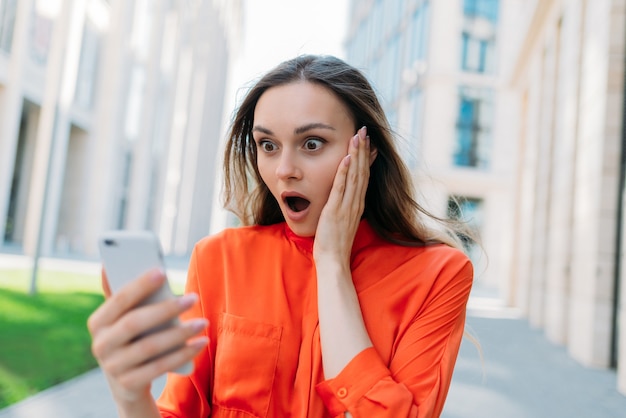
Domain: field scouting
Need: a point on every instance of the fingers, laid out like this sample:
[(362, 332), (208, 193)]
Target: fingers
[(134, 344), (105, 284), (152, 347), (135, 378), (124, 300), (357, 175), (138, 322)]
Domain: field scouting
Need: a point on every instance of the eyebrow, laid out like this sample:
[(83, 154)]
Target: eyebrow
[(299, 130)]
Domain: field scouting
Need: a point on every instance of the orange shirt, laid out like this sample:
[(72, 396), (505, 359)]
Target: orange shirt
[(257, 287)]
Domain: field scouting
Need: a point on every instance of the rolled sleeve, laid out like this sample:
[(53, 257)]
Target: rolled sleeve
[(365, 383)]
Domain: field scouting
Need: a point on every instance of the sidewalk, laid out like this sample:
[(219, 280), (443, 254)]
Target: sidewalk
[(522, 376)]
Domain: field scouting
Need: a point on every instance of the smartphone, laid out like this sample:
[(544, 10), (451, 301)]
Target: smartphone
[(127, 255)]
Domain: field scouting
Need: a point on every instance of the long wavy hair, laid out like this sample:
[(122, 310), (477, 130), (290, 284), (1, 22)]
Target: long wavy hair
[(390, 206)]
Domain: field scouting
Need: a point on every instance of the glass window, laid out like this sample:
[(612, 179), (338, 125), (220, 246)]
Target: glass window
[(474, 128), (123, 201), (418, 38), (487, 9), (40, 37), (8, 9), (86, 78), (134, 106), (479, 35)]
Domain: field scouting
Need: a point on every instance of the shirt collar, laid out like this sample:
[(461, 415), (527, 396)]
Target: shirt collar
[(365, 236)]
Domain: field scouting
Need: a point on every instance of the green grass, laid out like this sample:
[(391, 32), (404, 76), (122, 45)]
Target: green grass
[(43, 338)]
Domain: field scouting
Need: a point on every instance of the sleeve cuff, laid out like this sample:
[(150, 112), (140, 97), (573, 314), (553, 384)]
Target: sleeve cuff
[(353, 382)]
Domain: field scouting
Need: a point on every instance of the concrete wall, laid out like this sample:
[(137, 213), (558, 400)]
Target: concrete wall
[(570, 71)]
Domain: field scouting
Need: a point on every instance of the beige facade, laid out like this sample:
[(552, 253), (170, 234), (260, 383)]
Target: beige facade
[(547, 181), (568, 245), (431, 61), (111, 116)]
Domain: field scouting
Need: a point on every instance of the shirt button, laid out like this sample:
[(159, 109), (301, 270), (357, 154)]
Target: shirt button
[(342, 392)]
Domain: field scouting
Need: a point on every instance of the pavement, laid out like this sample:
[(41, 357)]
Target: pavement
[(513, 372)]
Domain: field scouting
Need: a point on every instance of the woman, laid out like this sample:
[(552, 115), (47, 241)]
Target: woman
[(335, 300)]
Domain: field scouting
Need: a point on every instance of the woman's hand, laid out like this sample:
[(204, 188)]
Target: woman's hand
[(340, 217), (125, 355), (342, 331)]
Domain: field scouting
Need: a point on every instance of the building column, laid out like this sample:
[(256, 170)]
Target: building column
[(563, 163), (54, 129), (11, 103), (595, 213), (143, 152), (617, 84), (102, 193)]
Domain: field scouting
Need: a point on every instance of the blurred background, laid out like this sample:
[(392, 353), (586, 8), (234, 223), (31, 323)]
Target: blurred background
[(510, 114)]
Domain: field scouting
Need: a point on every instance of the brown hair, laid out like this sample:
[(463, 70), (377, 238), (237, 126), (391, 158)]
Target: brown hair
[(390, 207)]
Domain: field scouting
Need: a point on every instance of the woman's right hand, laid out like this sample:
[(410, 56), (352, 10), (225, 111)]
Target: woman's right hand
[(127, 360)]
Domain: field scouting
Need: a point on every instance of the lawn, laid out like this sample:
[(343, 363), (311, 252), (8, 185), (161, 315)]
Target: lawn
[(43, 338)]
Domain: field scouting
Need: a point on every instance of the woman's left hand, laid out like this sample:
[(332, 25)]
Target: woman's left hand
[(340, 217)]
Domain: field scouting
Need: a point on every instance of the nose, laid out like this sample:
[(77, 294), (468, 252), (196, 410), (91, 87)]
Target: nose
[(288, 167)]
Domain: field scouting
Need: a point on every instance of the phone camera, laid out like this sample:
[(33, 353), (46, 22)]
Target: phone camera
[(110, 242)]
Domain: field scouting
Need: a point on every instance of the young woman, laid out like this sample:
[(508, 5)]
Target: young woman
[(336, 299)]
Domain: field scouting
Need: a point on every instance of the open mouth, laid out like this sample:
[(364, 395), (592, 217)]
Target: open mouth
[(297, 204)]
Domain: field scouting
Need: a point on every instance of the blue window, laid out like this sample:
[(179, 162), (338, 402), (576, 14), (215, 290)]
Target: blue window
[(88, 66), (479, 35), (474, 128), (418, 30), (8, 9), (487, 9)]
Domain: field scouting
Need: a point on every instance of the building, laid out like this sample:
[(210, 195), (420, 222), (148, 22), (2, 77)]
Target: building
[(111, 114), (439, 67), (568, 265), (517, 108)]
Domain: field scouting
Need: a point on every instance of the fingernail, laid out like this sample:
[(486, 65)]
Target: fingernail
[(187, 300), (156, 275), (363, 132), (197, 324), (346, 160), (199, 342), (355, 140)]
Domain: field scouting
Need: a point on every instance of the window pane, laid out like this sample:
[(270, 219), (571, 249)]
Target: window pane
[(487, 9), (479, 35), (8, 9), (474, 122)]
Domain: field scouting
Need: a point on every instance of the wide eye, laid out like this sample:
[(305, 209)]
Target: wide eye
[(313, 144), (267, 146)]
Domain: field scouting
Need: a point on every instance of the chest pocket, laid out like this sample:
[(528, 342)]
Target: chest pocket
[(245, 365)]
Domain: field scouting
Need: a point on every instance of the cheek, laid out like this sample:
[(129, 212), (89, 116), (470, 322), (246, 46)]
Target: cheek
[(265, 171), (326, 176)]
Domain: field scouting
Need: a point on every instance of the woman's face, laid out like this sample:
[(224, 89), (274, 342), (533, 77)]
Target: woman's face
[(302, 131)]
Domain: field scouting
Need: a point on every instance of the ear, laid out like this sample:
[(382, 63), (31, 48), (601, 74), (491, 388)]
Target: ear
[(373, 155)]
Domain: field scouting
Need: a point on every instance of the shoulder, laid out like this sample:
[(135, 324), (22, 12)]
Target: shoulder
[(435, 256), (448, 267), (435, 263), (442, 254)]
